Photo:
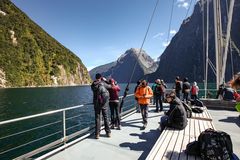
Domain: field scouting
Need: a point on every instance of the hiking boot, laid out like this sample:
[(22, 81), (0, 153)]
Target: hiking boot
[(108, 135), (97, 136), (112, 126), (119, 127), (144, 125)]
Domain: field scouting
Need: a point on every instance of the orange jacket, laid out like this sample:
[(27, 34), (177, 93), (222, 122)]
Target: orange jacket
[(144, 94)]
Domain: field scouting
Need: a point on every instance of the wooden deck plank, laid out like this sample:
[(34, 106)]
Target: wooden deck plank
[(169, 151), (178, 146), (192, 136), (164, 146), (157, 145)]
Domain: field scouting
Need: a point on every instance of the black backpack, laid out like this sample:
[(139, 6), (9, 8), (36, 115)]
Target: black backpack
[(198, 103), (197, 110), (215, 145), (188, 109)]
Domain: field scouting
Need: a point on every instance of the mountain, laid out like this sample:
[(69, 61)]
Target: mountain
[(184, 55), (121, 69), (31, 57)]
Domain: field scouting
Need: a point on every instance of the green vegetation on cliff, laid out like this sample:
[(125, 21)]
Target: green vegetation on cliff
[(31, 57)]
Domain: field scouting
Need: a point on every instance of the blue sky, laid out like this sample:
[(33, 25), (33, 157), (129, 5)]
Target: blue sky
[(99, 31)]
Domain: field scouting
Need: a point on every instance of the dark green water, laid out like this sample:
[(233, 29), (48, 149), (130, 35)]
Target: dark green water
[(15, 103)]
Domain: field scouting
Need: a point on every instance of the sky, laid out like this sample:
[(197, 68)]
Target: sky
[(99, 31)]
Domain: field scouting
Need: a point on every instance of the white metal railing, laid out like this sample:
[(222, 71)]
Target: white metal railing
[(64, 130)]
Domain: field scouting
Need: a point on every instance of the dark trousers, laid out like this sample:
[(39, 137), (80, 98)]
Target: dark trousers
[(98, 110), (144, 112), (159, 102), (194, 97), (185, 97), (114, 107), (164, 122)]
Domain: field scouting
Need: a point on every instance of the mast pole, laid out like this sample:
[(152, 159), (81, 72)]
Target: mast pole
[(207, 39), (230, 13)]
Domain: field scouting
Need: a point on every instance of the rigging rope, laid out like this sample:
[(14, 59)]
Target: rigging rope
[(188, 9), (170, 23), (230, 43), (144, 39)]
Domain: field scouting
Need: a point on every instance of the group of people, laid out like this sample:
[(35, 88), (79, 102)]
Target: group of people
[(106, 92), (186, 89)]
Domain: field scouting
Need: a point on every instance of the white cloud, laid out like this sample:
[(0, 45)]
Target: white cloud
[(158, 35), (172, 32), (165, 44), (182, 4)]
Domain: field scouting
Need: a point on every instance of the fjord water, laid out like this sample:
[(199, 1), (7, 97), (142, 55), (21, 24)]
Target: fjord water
[(19, 102)]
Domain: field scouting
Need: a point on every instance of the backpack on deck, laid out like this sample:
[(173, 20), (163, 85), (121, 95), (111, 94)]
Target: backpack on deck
[(215, 145), (197, 110), (198, 103), (188, 109)]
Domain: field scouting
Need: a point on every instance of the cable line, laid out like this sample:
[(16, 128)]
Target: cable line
[(144, 39)]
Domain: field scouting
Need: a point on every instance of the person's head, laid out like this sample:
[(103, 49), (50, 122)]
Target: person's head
[(98, 76), (162, 81), (158, 81), (144, 83), (177, 78), (185, 79), (111, 81), (170, 97), (139, 82), (236, 82), (195, 83)]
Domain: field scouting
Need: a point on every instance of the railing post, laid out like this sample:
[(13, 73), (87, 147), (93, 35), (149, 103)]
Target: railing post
[(64, 127)]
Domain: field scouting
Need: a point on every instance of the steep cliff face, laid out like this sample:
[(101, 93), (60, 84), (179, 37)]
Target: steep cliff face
[(31, 57), (121, 70), (184, 55)]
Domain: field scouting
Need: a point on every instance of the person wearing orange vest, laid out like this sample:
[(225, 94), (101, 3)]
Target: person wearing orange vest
[(143, 94)]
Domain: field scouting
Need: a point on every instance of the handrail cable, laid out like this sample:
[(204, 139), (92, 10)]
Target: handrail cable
[(42, 126), (30, 142)]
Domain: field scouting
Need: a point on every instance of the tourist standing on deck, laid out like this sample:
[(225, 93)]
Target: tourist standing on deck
[(164, 89), (178, 86), (194, 91), (176, 116), (143, 94), (186, 89), (114, 104), (100, 101), (158, 95), (154, 94)]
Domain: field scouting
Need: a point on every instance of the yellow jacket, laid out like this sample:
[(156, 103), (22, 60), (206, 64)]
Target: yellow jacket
[(144, 94)]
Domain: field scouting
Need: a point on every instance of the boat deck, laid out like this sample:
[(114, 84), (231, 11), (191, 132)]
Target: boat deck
[(134, 143)]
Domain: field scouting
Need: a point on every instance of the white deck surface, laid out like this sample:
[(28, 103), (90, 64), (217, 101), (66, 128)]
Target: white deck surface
[(131, 142)]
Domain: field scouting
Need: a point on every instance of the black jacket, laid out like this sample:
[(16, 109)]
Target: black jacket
[(100, 88), (177, 116), (186, 86)]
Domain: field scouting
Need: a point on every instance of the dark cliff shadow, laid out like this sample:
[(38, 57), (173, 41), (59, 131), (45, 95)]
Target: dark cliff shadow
[(145, 146), (231, 120)]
